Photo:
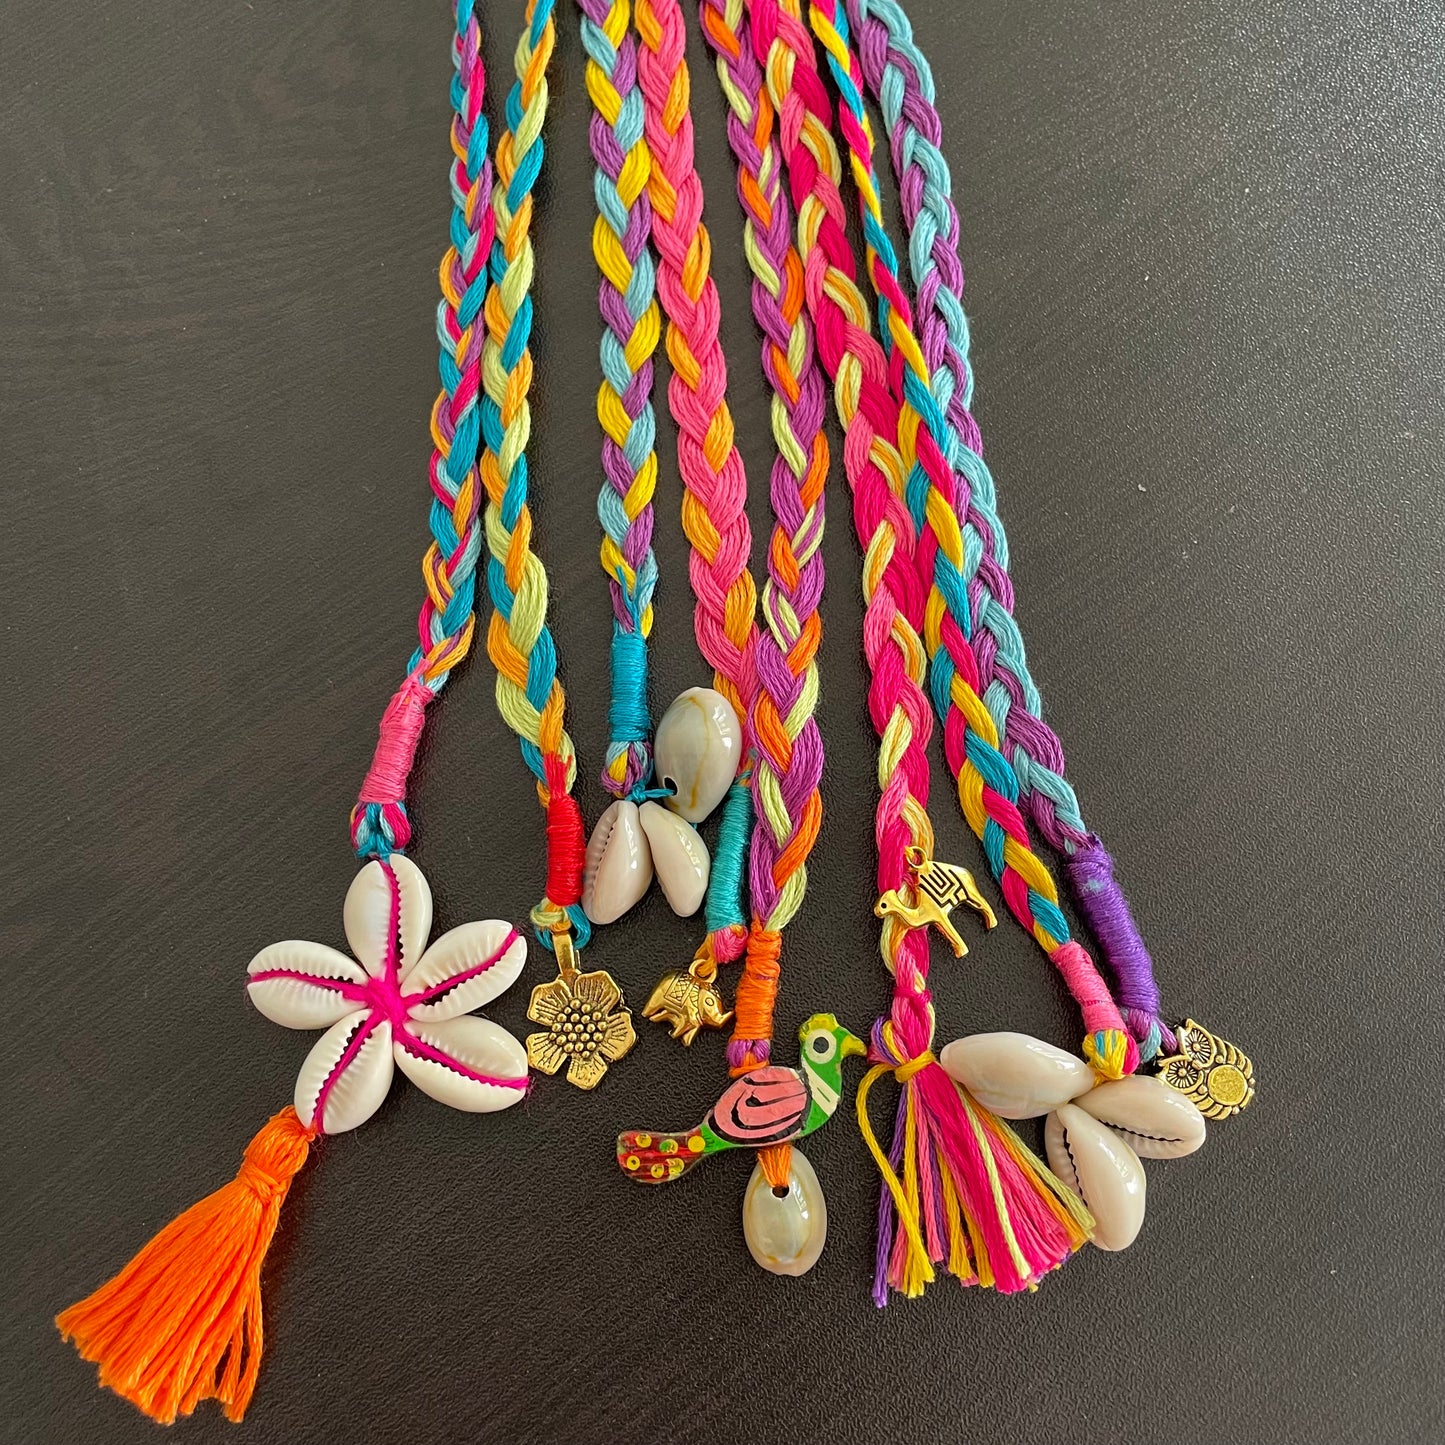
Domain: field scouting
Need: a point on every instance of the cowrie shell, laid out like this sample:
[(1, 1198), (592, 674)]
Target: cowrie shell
[(465, 968), (474, 1050), (343, 1081), (1154, 1120), (383, 897), (785, 1234), (696, 752), (679, 858), (618, 870), (1102, 1170), (1016, 1076), (278, 984)]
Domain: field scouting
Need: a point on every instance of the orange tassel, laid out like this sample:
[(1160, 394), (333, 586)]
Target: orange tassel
[(190, 1302)]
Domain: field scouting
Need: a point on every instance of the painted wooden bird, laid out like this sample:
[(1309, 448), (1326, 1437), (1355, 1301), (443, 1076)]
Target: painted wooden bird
[(770, 1105)]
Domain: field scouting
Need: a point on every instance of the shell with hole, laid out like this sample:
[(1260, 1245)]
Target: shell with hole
[(679, 858), (1101, 1169), (618, 870), (1014, 1075), (1148, 1115), (786, 1232), (696, 752)]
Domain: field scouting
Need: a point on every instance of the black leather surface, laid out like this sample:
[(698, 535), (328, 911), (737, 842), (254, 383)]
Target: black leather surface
[(1203, 247)]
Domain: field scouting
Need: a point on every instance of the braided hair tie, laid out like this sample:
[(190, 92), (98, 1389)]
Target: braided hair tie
[(966, 622), (899, 77), (182, 1322), (966, 1191), (767, 1107), (649, 829)]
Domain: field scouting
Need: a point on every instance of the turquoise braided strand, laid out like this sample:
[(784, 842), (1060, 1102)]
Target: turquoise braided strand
[(885, 46), (627, 299), (380, 824), (992, 765)]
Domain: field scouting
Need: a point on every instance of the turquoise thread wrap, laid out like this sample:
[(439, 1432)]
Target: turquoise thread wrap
[(627, 301), (723, 908)]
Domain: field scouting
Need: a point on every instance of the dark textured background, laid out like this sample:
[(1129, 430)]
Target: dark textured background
[(1203, 245)]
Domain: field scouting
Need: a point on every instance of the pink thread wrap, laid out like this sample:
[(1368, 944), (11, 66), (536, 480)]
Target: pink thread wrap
[(384, 786), (1091, 993)]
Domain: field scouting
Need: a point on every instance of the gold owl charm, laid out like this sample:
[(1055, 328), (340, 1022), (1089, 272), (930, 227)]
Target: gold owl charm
[(937, 889), (1210, 1071)]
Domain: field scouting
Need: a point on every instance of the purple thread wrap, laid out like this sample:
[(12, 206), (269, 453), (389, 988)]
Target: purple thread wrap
[(1106, 910)]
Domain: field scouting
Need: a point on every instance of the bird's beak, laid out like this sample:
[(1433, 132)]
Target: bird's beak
[(852, 1044)]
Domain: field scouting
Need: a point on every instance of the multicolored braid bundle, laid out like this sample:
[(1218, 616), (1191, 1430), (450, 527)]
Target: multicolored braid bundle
[(519, 642), (379, 822), (714, 508), (789, 747), (988, 788), (181, 1323), (961, 1184), (899, 77), (624, 403)]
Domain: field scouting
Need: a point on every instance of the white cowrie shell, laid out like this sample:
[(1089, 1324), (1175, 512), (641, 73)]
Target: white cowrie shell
[(368, 913), (464, 969), (1016, 1076), (289, 997), (480, 1048), (679, 857), (619, 864), (1102, 1170), (341, 1086), (1154, 1120), (786, 1234), (696, 751)]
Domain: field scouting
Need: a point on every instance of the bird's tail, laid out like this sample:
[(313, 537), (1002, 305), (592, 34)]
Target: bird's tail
[(659, 1158)]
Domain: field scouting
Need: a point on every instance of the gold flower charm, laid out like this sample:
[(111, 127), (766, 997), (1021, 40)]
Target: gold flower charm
[(584, 1026)]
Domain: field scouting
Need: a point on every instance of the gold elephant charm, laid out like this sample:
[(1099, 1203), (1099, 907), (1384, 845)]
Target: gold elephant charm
[(688, 1001)]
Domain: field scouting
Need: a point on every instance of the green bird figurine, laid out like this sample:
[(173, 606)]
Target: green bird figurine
[(770, 1105)]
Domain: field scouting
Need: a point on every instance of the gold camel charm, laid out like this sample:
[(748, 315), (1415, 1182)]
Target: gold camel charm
[(937, 889)]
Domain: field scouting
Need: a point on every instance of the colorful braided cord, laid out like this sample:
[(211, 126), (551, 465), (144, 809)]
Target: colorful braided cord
[(519, 643), (899, 78), (624, 402), (963, 1188), (988, 789), (379, 821), (714, 507), (789, 747)]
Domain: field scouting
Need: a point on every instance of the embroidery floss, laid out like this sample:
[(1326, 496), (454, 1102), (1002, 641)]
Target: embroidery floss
[(714, 515), (987, 786), (968, 1192), (899, 77), (181, 1323), (769, 1107), (1138, 1111), (584, 1024)]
